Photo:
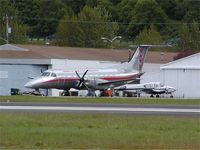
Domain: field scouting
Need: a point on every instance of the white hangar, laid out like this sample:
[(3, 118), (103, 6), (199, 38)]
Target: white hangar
[(182, 74)]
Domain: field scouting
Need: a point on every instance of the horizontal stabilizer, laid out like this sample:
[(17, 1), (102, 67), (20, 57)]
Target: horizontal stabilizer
[(152, 46)]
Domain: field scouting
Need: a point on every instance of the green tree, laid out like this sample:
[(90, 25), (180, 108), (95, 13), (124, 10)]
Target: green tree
[(69, 32), (174, 9), (189, 37), (145, 13), (27, 11), (109, 5), (48, 17), (148, 36), (19, 30), (19, 33), (87, 28), (125, 9), (193, 12), (75, 5), (93, 23)]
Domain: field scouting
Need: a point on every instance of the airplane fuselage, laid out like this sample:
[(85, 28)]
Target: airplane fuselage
[(66, 79), (93, 79), (153, 88)]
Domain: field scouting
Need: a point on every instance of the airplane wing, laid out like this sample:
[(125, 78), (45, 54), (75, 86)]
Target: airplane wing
[(124, 88), (120, 82), (116, 83)]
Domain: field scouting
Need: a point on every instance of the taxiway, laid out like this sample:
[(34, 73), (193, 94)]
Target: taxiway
[(100, 108)]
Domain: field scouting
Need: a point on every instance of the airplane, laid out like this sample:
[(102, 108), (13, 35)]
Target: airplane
[(153, 88), (92, 79)]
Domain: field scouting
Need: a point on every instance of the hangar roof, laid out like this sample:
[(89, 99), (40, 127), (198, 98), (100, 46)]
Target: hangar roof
[(25, 61), (75, 53), (9, 47), (190, 62)]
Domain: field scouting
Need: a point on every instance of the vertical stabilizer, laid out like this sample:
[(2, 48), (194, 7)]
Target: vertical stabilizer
[(137, 60)]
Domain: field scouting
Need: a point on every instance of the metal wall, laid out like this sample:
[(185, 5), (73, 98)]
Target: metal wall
[(16, 76), (186, 82)]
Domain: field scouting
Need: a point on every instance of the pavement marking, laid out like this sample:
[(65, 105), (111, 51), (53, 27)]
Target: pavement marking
[(100, 109)]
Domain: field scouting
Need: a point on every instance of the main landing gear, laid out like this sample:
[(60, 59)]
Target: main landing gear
[(65, 93), (91, 93), (152, 96)]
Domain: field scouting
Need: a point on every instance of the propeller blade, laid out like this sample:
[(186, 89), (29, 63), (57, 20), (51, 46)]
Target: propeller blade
[(84, 74), (78, 75), (86, 86), (81, 79), (80, 84)]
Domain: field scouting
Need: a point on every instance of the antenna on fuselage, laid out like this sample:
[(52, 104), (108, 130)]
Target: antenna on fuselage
[(41, 71)]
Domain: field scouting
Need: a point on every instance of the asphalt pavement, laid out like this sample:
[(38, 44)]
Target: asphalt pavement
[(100, 108)]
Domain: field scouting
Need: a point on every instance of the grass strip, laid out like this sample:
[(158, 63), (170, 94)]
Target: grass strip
[(100, 100), (99, 131)]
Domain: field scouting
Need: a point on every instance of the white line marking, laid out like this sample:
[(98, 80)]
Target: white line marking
[(100, 109)]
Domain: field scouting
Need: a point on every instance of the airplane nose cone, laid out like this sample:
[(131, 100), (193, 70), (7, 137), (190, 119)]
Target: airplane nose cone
[(171, 89), (28, 85)]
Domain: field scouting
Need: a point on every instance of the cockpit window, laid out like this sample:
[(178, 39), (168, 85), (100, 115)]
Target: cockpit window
[(53, 75), (46, 74)]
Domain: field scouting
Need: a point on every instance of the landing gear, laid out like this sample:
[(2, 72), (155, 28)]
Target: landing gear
[(91, 93), (157, 96), (65, 93), (151, 96), (171, 96), (36, 92)]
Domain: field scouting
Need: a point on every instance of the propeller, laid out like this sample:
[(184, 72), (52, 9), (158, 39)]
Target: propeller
[(82, 80)]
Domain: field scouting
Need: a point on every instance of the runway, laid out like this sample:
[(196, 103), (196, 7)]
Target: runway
[(100, 108)]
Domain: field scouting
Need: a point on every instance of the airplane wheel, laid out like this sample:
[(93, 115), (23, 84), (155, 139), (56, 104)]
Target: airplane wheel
[(157, 96), (151, 96), (171, 96), (91, 93), (65, 93)]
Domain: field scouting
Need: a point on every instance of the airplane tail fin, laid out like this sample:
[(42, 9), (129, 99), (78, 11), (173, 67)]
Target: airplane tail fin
[(137, 60)]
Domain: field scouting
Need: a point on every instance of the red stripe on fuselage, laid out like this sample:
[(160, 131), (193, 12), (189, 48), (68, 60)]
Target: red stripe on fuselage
[(103, 78), (62, 80)]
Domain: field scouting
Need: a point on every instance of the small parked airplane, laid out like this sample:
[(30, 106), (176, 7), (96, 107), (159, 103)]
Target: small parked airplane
[(92, 79), (153, 88)]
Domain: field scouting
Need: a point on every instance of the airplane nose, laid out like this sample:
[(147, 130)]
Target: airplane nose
[(171, 89), (28, 85)]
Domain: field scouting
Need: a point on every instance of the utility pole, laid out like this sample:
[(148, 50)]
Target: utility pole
[(7, 28)]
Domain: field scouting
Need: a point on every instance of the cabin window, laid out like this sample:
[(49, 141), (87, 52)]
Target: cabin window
[(53, 75), (46, 74)]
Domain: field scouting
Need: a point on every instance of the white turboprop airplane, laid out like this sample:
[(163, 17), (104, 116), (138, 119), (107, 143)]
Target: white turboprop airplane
[(92, 79), (153, 88)]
